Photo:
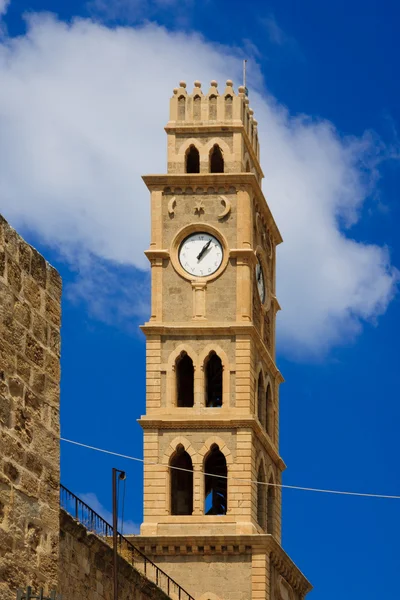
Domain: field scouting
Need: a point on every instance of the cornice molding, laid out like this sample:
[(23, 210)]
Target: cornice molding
[(158, 182), (227, 544)]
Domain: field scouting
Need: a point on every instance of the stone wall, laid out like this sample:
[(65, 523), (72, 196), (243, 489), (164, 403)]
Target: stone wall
[(86, 568), (30, 292)]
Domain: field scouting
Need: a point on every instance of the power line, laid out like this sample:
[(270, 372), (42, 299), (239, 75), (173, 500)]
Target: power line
[(278, 485)]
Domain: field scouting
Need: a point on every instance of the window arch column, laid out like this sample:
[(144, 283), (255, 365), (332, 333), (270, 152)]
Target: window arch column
[(172, 373), (204, 452), (226, 371)]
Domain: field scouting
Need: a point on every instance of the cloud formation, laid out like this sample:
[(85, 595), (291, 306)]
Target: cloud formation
[(125, 527), (3, 7), (82, 112)]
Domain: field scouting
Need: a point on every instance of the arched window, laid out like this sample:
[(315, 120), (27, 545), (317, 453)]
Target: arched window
[(213, 381), (269, 412), (216, 160), (271, 506), (215, 483), (181, 108), (228, 106), (261, 497), (192, 160), (212, 108), (196, 108), (248, 167), (184, 381), (261, 399), (181, 482)]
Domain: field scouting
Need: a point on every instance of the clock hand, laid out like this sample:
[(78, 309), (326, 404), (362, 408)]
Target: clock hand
[(204, 248), (259, 275)]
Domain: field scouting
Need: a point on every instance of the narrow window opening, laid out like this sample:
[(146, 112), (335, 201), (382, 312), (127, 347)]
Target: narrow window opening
[(214, 381), (192, 160), (212, 109), (268, 411), (184, 381), (248, 167), (215, 483), (181, 108), (228, 106), (261, 399), (216, 160), (196, 108), (261, 498), (181, 482), (270, 507)]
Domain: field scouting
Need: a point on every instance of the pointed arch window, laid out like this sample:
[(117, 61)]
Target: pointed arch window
[(228, 106), (196, 108), (261, 399), (181, 108), (212, 108), (261, 497), (213, 380), (184, 381), (269, 413), (271, 506), (216, 160), (181, 482), (192, 160), (215, 482)]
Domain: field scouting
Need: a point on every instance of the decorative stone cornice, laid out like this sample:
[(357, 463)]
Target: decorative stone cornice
[(226, 544), (159, 182)]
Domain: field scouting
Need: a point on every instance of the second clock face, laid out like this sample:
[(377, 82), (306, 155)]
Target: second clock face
[(200, 254)]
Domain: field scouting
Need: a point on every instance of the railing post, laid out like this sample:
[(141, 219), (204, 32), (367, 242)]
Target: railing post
[(76, 508)]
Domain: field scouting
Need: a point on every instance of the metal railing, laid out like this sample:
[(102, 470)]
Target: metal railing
[(96, 524)]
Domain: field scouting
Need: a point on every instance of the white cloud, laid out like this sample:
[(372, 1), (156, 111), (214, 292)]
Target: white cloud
[(126, 527), (3, 6), (82, 115)]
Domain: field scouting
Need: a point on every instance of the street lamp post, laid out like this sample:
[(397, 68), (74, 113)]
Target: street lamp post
[(122, 476)]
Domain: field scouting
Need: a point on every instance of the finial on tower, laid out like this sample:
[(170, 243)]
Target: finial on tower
[(246, 91)]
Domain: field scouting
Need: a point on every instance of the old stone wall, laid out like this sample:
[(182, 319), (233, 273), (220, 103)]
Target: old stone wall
[(30, 292), (211, 575), (86, 568)]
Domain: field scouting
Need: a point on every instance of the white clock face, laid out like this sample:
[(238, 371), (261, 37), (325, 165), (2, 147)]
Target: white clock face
[(200, 254), (260, 281)]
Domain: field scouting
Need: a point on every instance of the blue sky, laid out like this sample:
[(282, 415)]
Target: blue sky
[(84, 98)]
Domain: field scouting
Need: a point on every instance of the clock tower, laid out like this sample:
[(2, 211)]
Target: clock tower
[(212, 501)]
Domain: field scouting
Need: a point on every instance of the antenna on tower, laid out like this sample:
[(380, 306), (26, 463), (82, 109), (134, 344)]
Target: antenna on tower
[(246, 91)]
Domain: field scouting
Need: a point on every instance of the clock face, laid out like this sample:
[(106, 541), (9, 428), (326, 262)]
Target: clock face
[(260, 281), (200, 254)]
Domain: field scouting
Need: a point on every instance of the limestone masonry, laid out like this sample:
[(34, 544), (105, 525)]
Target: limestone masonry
[(212, 383), (212, 501), (30, 293)]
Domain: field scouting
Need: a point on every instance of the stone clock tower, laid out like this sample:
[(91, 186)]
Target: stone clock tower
[(212, 404)]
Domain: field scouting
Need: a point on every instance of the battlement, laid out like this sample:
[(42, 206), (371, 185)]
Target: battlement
[(213, 109)]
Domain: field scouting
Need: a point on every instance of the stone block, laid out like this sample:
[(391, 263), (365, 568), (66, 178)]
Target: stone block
[(34, 351), (38, 268)]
